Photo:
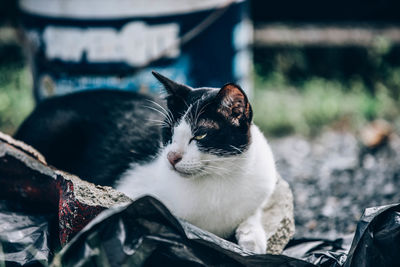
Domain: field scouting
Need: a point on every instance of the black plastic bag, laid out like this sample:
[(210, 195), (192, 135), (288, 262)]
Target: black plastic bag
[(24, 238), (145, 233), (377, 238), (375, 243)]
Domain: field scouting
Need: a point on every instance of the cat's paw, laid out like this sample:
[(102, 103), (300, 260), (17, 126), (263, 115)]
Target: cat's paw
[(252, 238)]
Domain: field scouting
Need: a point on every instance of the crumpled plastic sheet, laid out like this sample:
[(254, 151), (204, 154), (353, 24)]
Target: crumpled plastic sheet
[(145, 233), (321, 252), (24, 238), (377, 238)]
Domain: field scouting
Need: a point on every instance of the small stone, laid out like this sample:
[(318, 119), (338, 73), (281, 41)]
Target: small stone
[(369, 162), (330, 207), (311, 225), (375, 133), (388, 189)]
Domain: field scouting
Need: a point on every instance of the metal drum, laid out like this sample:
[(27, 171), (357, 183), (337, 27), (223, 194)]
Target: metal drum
[(90, 44)]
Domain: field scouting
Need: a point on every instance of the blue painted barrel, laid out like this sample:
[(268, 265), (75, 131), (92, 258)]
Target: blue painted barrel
[(88, 44)]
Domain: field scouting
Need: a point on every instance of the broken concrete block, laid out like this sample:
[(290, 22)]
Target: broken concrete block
[(24, 176), (278, 218)]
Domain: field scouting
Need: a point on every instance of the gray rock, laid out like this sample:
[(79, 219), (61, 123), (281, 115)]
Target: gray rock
[(278, 219)]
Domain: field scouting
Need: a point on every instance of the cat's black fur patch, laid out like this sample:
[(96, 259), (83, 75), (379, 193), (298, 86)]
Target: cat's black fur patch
[(97, 135), (94, 134), (222, 137)]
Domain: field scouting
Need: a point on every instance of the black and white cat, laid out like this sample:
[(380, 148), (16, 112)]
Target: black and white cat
[(201, 155)]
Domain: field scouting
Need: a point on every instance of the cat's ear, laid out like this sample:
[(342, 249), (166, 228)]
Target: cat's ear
[(172, 88), (232, 103)]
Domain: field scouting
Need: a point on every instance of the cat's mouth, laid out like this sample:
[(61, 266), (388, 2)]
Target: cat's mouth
[(189, 170), (188, 173)]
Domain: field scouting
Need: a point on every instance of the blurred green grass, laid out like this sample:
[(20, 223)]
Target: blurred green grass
[(318, 103), (279, 108), (16, 98)]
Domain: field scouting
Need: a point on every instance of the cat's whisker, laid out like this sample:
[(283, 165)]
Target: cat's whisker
[(196, 113), (217, 168), (224, 159), (217, 173), (220, 173), (210, 171), (193, 113), (189, 113), (157, 110), (168, 112), (166, 116), (202, 110), (186, 104), (153, 120), (158, 121), (228, 167), (163, 124), (236, 148), (203, 171)]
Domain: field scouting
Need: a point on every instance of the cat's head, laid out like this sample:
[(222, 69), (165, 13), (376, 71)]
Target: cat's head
[(206, 130)]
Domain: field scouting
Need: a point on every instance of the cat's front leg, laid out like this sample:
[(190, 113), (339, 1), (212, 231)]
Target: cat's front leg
[(250, 234)]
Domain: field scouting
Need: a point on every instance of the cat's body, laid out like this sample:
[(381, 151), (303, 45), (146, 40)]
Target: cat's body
[(207, 162), (214, 203)]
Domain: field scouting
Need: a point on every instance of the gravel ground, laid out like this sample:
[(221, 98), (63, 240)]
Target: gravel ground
[(334, 178)]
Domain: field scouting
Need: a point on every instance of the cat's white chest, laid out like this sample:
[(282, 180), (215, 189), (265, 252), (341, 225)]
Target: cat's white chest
[(223, 204), (217, 203)]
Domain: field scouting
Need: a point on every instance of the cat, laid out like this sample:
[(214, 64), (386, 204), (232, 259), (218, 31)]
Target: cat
[(200, 154)]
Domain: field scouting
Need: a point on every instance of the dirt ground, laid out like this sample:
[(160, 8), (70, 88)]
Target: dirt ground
[(334, 178)]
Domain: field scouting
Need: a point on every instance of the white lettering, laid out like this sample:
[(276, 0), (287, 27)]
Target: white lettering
[(135, 44)]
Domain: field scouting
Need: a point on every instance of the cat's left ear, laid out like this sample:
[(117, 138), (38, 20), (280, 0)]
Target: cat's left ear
[(173, 88), (233, 105)]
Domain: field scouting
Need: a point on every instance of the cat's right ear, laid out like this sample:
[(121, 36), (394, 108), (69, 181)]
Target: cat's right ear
[(234, 105), (173, 88)]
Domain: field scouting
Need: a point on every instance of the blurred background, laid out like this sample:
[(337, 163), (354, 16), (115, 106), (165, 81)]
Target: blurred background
[(324, 80)]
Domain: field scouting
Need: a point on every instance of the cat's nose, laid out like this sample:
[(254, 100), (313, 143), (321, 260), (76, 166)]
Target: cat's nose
[(174, 157)]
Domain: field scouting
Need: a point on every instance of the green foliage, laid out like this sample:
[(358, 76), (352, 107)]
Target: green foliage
[(280, 108), (16, 100), (317, 103), (303, 90)]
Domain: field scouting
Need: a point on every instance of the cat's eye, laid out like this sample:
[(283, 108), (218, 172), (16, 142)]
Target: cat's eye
[(199, 137)]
